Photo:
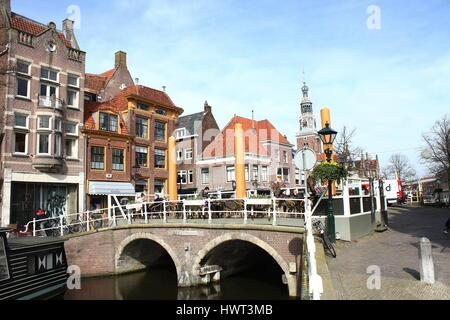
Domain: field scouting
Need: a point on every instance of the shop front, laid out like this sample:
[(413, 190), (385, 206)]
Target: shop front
[(100, 193)]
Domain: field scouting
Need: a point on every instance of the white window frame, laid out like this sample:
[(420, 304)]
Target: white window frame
[(182, 173), (27, 117), (188, 151), (282, 174), (26, 143), (38, 124), (55, 127), (285, 156), (73, 76), (204, 174), (74, 155), (190, 176), (253, 172), (76, 99), (179, 154), (55, 144), (232, 173), (71, 133), (50, 140), (48, 79), (264, 173), (28, 87), (180, 133)]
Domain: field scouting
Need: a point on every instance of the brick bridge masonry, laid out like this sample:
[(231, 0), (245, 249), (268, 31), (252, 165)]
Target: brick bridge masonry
[(200, 253)]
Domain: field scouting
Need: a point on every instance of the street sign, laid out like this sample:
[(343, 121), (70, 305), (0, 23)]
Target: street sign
[(305, 159)]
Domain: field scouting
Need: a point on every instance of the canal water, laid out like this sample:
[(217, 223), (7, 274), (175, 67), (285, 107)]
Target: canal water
[(161, 284)]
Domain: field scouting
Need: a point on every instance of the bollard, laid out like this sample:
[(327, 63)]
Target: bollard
[(426, 261)]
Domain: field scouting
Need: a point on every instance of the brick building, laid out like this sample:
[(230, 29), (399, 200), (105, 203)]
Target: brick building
[(42, 158), (127, 141), (194, 133), (268, 157)]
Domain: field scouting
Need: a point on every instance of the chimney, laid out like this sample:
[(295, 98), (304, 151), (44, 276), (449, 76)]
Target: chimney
[(6, 5), (69, 33), (121, 59), (136, 81), (207, 107)]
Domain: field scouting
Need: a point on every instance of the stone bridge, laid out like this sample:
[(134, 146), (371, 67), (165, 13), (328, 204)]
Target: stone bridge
[(201, 253)]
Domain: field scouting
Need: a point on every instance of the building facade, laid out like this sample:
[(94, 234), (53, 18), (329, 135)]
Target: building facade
[(193, 134), (268, 158), (127, 142), (42, 158)]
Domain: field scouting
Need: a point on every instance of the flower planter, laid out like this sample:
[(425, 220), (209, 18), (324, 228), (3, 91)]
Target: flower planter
[(194, 202), (259, 201)]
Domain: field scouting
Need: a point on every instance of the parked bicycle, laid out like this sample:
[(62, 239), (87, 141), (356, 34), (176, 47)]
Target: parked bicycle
[(318, 226)]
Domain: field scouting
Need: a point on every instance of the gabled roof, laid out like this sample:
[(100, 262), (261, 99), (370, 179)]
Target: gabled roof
[(147, 93), (33, 27), (189, 122), (255, 132), (92, 107)]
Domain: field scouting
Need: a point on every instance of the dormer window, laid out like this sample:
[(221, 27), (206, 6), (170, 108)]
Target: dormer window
[(180, 133), (108, 122), (161, 112), (143, 107)]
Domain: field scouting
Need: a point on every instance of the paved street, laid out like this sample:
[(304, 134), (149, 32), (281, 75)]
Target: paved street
[(396, 253)]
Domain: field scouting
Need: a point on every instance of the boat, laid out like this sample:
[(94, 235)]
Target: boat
[(32, 268)]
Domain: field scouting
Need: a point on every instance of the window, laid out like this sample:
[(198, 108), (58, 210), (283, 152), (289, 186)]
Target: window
[(22, 87), (117, 159), (72, 80), (159, 186), (20, 142), (179, 154), (23, 67), (255, 175), (98, 158), (43, 143), (160, 131), (141, 156), (277, 155), (247, 175), (72, 98), (205, 175), (141, 128), (4, 270), (182, 177), (160, 158), (48, 90), (141, 186), (58, 124), (161, 112), (143, 107), (264, 174), (188, 154), (231, 176), (180, 133), (71, 148), (57, 146), (190, 177), (283, 174), (49, 74), (285, 156), (71, 128), (108, 122), (44, 122), (20, 121)]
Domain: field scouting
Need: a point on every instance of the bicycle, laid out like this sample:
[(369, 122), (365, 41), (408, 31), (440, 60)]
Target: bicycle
[(318, 226)]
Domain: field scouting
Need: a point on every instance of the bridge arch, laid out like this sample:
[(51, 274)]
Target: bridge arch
[(145, 236), (291, 279)]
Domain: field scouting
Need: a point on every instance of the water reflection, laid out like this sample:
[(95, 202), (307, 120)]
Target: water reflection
[(161, 284)]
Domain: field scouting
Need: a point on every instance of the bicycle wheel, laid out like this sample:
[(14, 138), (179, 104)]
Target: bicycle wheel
[(328, 246)]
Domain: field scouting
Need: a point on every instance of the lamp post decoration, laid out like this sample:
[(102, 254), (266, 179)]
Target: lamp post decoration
[(327, 172)]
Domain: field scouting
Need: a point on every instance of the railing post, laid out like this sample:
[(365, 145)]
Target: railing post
[(145, 212), (274, 222), (184, 213), (164, 212), (129, 215), (34, 227), (245, 211), (114, 216), (61, 224), (209, 211)]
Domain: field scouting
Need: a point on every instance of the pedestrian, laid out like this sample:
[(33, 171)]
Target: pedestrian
[(447, 226), (40, 216)]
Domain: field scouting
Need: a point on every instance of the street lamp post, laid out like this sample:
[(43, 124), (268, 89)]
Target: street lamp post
[(327, 135)]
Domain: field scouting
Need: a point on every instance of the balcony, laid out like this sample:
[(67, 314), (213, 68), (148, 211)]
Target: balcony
[(50, 102), (47, 163)]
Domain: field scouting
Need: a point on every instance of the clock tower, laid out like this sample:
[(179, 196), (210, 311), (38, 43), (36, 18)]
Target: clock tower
[(308, 136)]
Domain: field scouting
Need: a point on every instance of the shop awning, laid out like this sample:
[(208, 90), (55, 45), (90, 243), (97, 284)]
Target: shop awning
[(100, 188)]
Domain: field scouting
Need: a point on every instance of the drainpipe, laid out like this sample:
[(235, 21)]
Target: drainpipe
[(86, 138)]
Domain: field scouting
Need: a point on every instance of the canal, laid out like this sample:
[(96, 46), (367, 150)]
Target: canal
[(260, 278)]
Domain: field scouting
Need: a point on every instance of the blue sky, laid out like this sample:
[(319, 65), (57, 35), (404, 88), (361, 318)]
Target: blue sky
[(391, 84)]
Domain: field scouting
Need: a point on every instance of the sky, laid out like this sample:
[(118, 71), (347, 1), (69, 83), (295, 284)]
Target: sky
[(385, 73)]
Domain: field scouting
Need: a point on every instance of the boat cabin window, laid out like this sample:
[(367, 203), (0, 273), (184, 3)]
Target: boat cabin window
[(4, 272)]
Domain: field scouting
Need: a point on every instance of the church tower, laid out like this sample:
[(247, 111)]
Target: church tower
[(307, 136)]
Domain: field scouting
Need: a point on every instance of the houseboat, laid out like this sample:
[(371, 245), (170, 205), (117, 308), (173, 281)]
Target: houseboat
[(32, 268)]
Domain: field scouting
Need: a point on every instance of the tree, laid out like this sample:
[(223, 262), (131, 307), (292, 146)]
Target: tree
[(436, 153), (343, 146), (399, 166)]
